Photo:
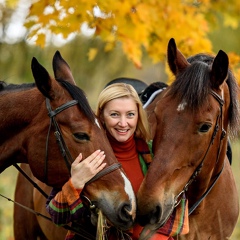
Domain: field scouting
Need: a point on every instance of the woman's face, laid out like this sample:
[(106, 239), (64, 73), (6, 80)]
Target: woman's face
[(120, 117)]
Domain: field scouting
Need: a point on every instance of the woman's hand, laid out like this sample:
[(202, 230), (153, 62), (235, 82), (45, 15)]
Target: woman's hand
[(84, 170)]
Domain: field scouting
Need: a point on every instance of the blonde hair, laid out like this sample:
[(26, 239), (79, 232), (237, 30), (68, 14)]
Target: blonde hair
[(120, 90)]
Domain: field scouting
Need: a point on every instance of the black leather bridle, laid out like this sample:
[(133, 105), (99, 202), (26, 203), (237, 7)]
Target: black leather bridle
[(62, 145), (219, 122)]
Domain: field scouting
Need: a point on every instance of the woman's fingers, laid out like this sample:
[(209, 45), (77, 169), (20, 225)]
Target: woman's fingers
[(101, 165), (98, 162), (88, 159), (77, 160), (93, 156), (84, 170), (95, 160), (98, 159)]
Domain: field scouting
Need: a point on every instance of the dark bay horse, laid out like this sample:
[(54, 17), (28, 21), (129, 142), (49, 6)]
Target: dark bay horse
[(191, 121), (47, 124)]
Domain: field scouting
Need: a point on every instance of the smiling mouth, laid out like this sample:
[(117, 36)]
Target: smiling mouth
[(122, 131)]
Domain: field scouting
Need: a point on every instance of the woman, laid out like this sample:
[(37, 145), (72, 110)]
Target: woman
[(121, 113)]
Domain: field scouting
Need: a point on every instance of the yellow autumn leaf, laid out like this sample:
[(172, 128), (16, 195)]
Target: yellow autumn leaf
[(230, 21), (237, 75), (92, 53), (133, 52), (139, 26), (109, 46), (41, 38), (29, 24), (12, 3), (234, 59)]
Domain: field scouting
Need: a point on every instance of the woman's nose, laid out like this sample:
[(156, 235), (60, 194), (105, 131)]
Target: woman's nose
[(122, 122)]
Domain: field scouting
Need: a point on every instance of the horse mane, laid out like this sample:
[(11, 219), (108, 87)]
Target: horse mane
[(192, 86), (18, 87), (73, 90), (79, 95)]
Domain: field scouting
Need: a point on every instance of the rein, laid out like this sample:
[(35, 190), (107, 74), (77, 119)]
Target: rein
[(67, 227), (198, 169)]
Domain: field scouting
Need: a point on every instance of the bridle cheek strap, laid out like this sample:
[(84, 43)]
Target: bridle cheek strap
[(58, 134), (198, 169)]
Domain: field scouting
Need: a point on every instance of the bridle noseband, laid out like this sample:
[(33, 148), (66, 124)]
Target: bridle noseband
[(198, 169)]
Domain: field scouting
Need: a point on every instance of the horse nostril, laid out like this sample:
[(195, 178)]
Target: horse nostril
[(155, 215), (125, 212), (152, 217)]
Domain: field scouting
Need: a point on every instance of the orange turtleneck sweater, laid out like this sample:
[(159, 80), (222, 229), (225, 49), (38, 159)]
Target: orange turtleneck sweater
[(126, 153)]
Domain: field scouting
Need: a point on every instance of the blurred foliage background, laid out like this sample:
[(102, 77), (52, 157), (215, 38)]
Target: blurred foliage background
[(120, 39)]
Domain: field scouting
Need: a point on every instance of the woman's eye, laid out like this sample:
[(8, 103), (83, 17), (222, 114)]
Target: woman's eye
[(204, 128), (131, 114), (81, 136), (113, 114)]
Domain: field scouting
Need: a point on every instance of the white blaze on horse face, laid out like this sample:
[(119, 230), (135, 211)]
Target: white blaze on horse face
[(181, 106), (129, 190), (97, 123)]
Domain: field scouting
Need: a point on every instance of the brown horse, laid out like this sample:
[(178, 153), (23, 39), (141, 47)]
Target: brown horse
[(48, 124), (191, 122), (38, 226)]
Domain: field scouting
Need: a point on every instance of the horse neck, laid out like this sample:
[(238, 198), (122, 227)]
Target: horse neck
[(18, 109)]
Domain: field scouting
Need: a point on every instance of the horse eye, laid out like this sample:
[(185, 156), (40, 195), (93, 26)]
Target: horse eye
[(204, 128), (81, 136)]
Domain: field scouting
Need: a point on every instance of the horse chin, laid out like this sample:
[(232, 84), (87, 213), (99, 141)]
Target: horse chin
[(155, 215), (119, 216), (94, 221), (150, 229)]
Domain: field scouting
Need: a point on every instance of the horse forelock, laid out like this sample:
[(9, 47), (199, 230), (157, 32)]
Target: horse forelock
[(234, 114), (193, 85), (80, 96)]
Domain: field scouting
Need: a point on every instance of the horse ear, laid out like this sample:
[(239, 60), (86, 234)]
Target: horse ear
[(61, 69), (219, 70), (42, 79), (176, 61)]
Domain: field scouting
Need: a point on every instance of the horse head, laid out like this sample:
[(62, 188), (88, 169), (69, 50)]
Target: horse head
[(190, 120), (54, 124)]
